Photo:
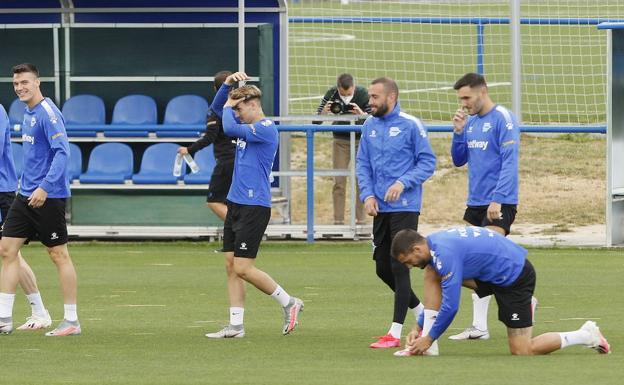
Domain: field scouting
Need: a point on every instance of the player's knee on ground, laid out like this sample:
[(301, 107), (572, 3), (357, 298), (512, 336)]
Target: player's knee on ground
[(520, 341)]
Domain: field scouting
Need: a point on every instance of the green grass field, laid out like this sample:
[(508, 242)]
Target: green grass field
[(144, 309)]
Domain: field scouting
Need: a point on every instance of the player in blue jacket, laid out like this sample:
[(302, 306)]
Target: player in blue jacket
[(39, 318), (39, 208), (248, 202), (490, 264), (393, 161), (486, 137)]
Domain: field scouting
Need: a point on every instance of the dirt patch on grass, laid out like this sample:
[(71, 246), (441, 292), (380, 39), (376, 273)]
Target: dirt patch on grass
[(562, 182)]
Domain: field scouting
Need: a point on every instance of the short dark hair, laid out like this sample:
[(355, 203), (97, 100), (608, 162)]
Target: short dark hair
[(345, 81), (26, 67), (389, 85), (404, 240), (219, 78), (471, 80)]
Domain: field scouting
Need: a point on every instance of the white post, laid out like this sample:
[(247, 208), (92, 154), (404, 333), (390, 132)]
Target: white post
[(241, 35), (516, 60)]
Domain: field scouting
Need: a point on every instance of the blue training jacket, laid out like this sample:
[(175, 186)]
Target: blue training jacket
[(490, 145), (470, 253), (46, 151), (8, 177), (256, 146), (394, 148)]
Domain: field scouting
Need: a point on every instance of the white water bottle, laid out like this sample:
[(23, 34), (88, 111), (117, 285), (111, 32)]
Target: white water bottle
[(191, 163), (177, 165)]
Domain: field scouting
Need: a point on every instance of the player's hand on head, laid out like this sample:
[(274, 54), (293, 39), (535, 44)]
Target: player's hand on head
[(235, 78), (459, 121)]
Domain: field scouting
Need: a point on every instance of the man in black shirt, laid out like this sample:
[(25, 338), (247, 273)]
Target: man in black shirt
[(224, 151), (344, 98)]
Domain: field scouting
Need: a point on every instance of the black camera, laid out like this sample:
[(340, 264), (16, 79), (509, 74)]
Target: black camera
[(339, 107)]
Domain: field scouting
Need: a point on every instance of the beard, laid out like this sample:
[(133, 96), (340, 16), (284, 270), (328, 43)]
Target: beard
[(381, 110)]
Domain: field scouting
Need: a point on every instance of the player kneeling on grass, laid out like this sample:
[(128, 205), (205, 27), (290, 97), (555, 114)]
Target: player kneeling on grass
[(489, 263), (248, 202)]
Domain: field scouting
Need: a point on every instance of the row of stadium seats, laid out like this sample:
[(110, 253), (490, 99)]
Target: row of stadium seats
[(113, 163), (133, 116)]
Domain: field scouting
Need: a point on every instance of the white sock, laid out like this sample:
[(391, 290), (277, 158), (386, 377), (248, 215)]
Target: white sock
[(395, 330), (6, 305), (430, 317), (480, 311), (417, 310), (281, 296), (71, 312), (577, 337), (236, 316), (36, 304)]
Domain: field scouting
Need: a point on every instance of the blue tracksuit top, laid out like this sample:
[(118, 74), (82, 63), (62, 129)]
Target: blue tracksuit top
[(470, 253), (490, 145), (394, 148), (256, 146), (8, 177), (46, 151)]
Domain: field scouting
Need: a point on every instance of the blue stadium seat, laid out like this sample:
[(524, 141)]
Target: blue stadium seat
[(75, 162), (109, 163), (206, 161), (18, 158), (83, 110), (16, 113), (157, 165), (134, 110), (186, 109)]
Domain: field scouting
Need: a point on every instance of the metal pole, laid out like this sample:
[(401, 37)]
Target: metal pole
[(480, 49), (67, 49), (353, 180), (57, 67), (310, 183), (241, 35), (609, 162), (516, 60)]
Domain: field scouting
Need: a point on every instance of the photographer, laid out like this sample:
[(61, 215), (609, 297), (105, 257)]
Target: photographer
[(343, 99)]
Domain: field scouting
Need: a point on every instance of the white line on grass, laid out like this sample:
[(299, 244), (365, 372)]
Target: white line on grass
[(417, 90), (204, 322), (161, 264), (578, 318), (146, 305)]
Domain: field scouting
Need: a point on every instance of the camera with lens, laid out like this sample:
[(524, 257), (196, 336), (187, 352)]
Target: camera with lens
[(339, 107)]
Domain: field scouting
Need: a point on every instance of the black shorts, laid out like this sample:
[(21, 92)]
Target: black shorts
[(46, 223), (244, 228), (514, 301), (6, 200), (477, 216), (385, 227), (220, 182)]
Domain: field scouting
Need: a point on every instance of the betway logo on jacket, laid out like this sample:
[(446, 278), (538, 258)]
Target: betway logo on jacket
[(28, 138), (479, 144)]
